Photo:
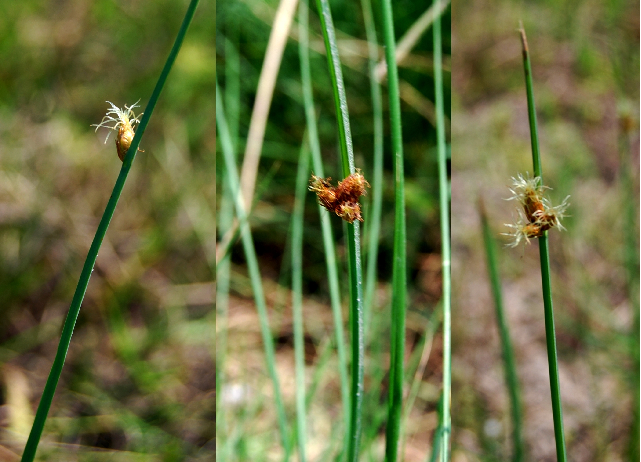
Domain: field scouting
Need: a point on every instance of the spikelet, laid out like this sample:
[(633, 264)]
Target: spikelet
[(342, 199), (123, 121), (538, 214)]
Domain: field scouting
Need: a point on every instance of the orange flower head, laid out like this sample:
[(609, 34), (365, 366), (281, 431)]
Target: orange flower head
[(342, 199)]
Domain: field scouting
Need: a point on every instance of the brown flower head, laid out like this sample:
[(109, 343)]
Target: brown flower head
[(342, 199)]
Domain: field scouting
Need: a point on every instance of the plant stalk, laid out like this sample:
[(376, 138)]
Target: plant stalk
[(550, 335), (399, 275), (67, 331), (353, 235)]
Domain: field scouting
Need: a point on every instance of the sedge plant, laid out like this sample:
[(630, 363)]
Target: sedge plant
[(347, 425), (536, 185), (328, 238), (127, 146), (353, 236)]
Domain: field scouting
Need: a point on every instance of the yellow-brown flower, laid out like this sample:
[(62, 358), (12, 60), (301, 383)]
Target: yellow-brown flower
[(124, 119), (538, 214), (342, 199)]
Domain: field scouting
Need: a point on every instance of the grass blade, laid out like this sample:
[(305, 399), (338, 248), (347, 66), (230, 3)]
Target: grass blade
[(252, 266), (631, 263), (506, 343), (444, 206), (374, 224), (226, 218), (550, 335), (67, 331), (297, 296), (399, 276)]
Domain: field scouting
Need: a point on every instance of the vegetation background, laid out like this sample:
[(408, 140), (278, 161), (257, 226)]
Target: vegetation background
[(246, 396), (138, 383), (585, 59)]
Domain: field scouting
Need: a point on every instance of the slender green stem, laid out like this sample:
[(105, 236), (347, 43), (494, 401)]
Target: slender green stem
[(340, 99), (425, 350), (550, 335), (531, 110), (67, 331), (252, 266), (328, 238), (353, 235), (225, 220), (631, 263), (444, 206), (399, 276), (506, 343), (374, 224), (297, 296), (438, 435)]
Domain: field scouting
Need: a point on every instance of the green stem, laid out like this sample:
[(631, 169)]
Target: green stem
[(399, 276), (374, 224), (326, 227), (631, 263), (444, 206), (297, 297), (550, 335), (353, 235), (67, 331), (252, 266), (340, 99), (506, 343)]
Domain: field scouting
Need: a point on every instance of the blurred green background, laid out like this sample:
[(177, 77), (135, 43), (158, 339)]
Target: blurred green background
[(585, 60), (138, 383), (250, 431)]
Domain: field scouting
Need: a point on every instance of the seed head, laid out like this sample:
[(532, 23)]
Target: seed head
[(352, 187), (123, 122), (522, 230), (529, 192), (538, 214), (342, 199), (324, 190)]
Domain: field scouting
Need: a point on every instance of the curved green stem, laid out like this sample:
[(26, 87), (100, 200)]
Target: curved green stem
[(67, 331)]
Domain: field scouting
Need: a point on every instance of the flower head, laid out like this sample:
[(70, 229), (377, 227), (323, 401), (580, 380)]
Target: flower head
[(553, 214), (522, 230), (349, 211), (342, 199), (538, 214), (529, 192), (123, 122)]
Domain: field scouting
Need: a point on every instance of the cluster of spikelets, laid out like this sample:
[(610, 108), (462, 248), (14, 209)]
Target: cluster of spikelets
[(538, 214), (124, 121), (342, 199)]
